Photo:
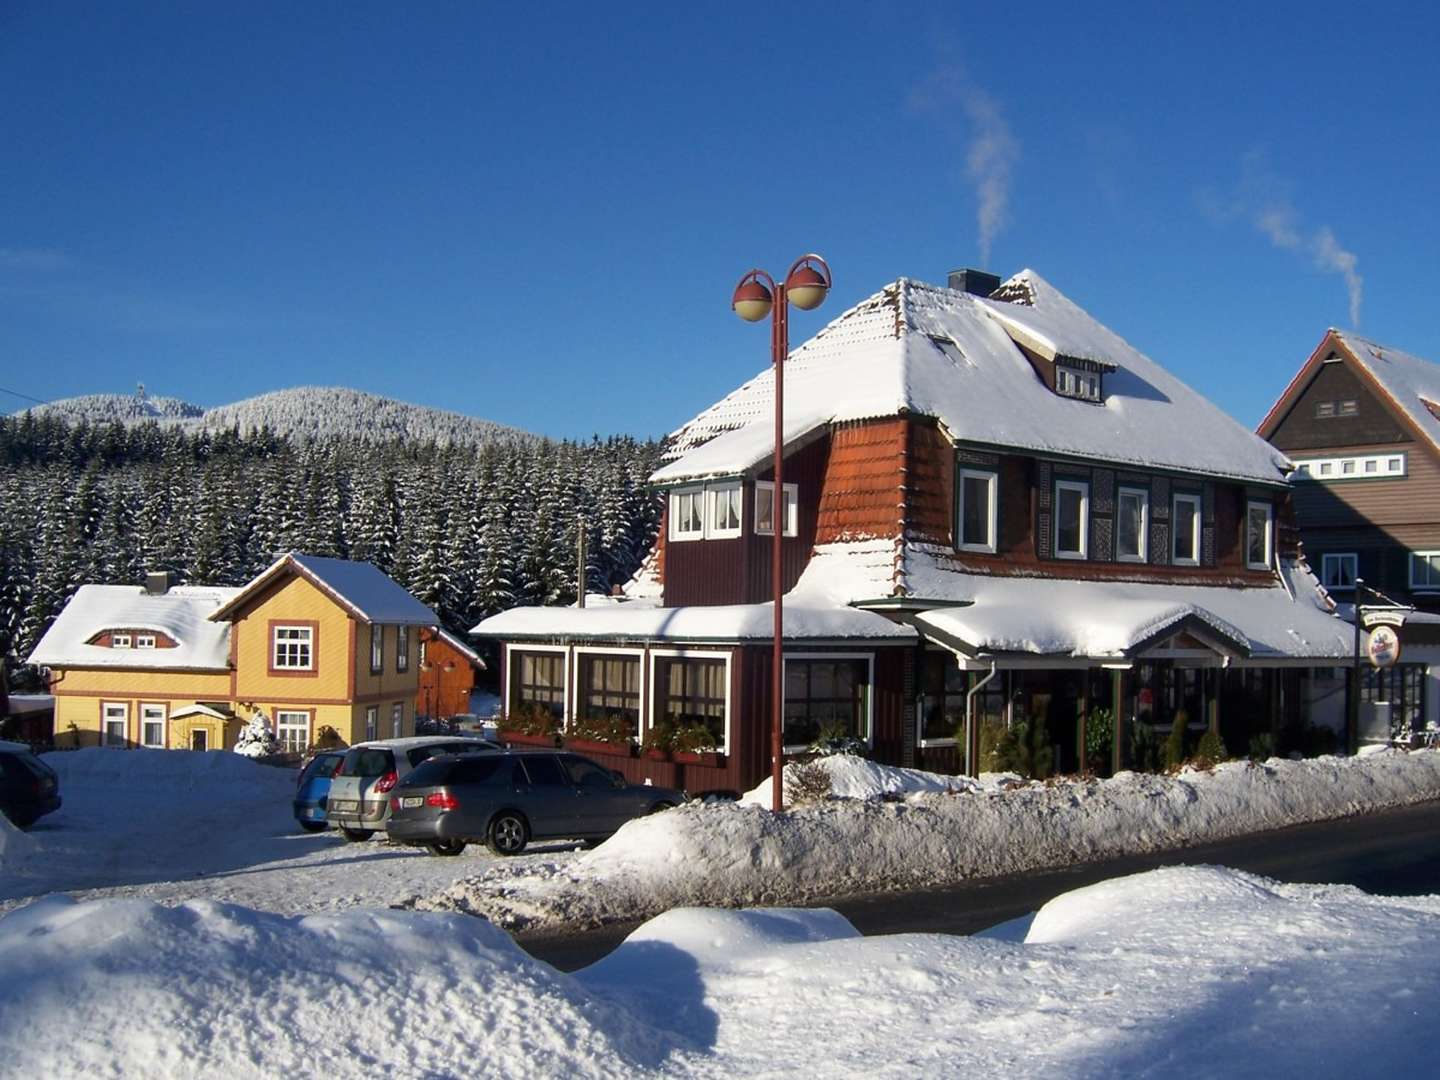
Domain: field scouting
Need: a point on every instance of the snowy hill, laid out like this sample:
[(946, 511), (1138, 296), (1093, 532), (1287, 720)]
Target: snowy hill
[(298, 412)]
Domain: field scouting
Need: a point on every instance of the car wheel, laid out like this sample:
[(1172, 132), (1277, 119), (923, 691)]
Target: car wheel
[(357, 835), (445, 847), (508, 834), (313, 826)]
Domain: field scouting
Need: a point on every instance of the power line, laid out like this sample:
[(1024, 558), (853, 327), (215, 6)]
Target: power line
[(27, 397)]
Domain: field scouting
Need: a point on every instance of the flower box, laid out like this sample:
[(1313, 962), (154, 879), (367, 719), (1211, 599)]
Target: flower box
[(655, 753), (711, 759), (594, 746), (524, 738)]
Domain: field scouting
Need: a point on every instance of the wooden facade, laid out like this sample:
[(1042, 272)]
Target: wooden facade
[(447, 676)]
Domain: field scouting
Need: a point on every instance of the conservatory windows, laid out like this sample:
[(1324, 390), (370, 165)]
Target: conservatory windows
[(1072, 512), (826, 697), (1185, 530), (1259, 534), (1338, 571), (1132, 525), (693, 692), (537, 682), (765, 508), (610, 688), (292, 648), (725, 511), (976, 516)]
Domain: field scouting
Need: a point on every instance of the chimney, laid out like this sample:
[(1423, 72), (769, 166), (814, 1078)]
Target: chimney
[(975, 282), (157, 582)]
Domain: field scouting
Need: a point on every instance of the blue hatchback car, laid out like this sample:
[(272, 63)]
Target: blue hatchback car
[(313, 788)]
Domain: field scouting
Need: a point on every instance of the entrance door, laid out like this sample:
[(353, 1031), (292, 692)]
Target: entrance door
[(199, 739)]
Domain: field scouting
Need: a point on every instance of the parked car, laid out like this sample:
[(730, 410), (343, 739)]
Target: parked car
[(510, 798), (29, 789), (358, 802), (313, 788)]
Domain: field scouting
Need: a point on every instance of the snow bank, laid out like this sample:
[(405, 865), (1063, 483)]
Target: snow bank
[(859, 778), (1194, 971), (218, 990), (165, 770), (15, 846), (741, 854)]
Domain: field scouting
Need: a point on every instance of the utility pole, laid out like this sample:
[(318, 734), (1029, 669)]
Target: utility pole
[(580, 568)]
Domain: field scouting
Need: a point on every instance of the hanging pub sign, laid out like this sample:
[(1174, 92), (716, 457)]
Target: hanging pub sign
[(1383, 646)]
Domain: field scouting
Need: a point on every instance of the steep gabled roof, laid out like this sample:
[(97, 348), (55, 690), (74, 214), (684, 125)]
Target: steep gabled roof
[(917, 348), (1410, 384), (182, 614), (359, 587)]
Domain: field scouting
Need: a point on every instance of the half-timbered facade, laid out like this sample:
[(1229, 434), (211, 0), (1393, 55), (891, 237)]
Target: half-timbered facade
[(994, 507)]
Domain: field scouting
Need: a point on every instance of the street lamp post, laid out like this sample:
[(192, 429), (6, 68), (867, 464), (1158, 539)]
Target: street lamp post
[(758, 295)]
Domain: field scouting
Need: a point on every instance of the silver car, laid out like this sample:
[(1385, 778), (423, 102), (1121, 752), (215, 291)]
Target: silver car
[(358, 804)]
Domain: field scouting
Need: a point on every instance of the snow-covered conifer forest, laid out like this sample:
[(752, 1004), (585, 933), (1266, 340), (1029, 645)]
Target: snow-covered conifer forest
[(469, 528)]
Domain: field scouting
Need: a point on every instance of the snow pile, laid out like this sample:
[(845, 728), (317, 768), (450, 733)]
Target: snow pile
[(859, 778), (15, 846), (218, 990), (1179, 972), (740, 854)]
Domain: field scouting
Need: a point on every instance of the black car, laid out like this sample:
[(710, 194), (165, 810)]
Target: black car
[(29, 789), (508, 799)]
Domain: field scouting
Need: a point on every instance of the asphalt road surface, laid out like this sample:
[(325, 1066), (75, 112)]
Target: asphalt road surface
[(1396, 853)]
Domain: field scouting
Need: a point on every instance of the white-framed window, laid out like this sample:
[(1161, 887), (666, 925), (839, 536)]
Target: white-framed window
[(1259, 534), (114, 723), (1338, 571), (826, 695), (152, 726), (1072, 519), (377, 648), (1072, 382), (402, 648), (726, 510), (397, 719), (120, 641), (292, 648), (610, 684), (144, 641), (976, 524), (1425, 570), (1132, 525), (1185, 530), (691, 688), (765, 508), (687, 514), (538, 678), (1351, 467), (292, 729), (372, 722)]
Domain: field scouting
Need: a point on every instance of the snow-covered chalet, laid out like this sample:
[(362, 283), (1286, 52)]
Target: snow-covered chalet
[(990, 499)]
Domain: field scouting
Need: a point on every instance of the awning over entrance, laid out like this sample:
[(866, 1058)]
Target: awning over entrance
[(1121, 620)]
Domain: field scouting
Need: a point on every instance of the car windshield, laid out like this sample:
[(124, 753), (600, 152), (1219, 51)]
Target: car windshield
[(368, 761)]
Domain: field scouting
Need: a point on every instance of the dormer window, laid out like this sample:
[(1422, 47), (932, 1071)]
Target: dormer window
[(144, 641), (120, 641), (1072, 382)]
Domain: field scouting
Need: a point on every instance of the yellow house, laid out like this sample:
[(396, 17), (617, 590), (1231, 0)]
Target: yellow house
[(310, 643)]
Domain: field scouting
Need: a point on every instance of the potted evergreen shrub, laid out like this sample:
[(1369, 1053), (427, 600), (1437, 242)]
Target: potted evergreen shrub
[(610, 734), (695, 745)]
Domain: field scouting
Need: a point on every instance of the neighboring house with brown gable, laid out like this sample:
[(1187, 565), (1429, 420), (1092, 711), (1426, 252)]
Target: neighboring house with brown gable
[(1361, 422), (447, 674), (310, 642), (992, 503)]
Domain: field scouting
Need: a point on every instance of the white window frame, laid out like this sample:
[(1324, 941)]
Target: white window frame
[(648, 676), (869, 658), (992, 521), (306, 639), (1434, 573), (1269, 545), (730, 496), (1144, 553), (1377, 466), (120, 641), (1076, 383), (1084, 490), (402, 648), (397, 719), (1196, 502), (687, 494), (111, 711), (601, 650), (285, 727), (567, 673), (790, 506), (377, 648), (144, 641), (372, 723), (152, 713), (1338, 559)]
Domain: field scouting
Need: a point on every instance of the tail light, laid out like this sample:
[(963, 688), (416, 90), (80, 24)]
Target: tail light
[(442, 800), (339, 769), (386, 782)]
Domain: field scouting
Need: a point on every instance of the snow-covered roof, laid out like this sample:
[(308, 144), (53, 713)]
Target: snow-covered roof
[(200, 709), (182, 614), (459, 646), (917, 348), (358, 587), (1408, 380)]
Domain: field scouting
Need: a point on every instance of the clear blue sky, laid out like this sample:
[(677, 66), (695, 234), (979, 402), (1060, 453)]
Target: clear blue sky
[(536, 213)]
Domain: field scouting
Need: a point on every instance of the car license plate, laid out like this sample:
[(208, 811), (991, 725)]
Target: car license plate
[(342, 804), (412, 801)]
